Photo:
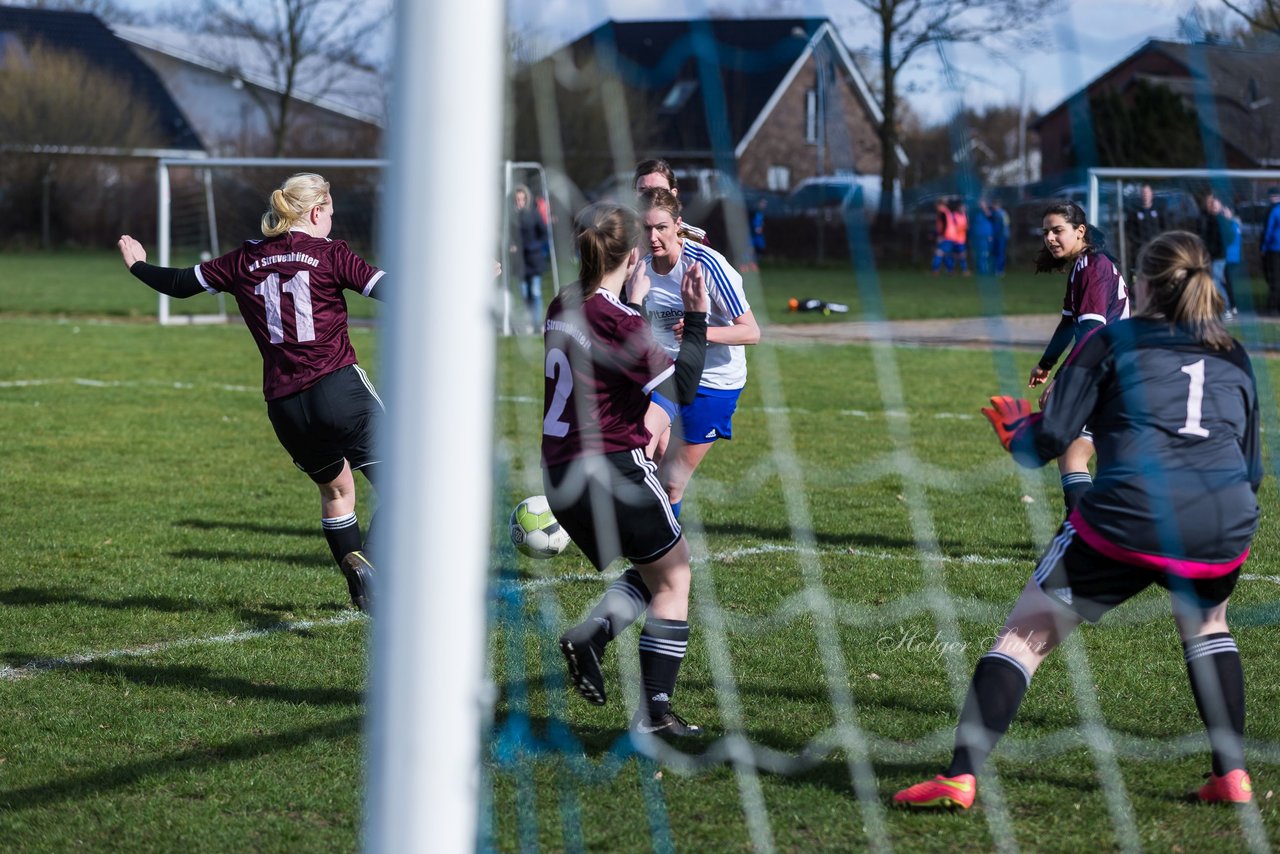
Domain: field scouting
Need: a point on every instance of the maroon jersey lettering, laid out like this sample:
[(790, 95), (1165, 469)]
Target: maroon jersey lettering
[(601, 364), (1095, 290), (290, 293)]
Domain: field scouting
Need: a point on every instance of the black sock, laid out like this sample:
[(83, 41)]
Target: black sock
[(662, 648), (994, 696), (620, 606), (1217, 683), (343, 535), (1074, 485)]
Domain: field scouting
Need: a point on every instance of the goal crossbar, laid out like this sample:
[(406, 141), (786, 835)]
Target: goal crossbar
[(164, 219), (1098, 174)]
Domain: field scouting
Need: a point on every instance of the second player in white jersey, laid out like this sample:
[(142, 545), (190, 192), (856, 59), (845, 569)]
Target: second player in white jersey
[(726, 364), (694, 428)]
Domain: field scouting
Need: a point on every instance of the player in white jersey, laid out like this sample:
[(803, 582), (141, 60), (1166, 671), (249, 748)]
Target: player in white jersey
[(730, 326)]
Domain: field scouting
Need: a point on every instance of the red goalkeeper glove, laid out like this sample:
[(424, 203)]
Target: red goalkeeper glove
[(1007, 415)]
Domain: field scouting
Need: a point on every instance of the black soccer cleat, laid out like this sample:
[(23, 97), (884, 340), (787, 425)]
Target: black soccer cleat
[(584, 669), (669, 725), (359, 574)]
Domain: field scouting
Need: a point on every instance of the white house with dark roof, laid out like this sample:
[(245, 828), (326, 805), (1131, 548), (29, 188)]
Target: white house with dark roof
[(226, 85)]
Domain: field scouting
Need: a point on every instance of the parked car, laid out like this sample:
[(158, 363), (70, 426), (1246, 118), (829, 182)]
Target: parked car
[(828, 193)]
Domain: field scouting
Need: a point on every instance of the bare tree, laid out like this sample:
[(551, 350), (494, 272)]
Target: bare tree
[(304, 47), (54, 104), (1261, 16), (905, 27)]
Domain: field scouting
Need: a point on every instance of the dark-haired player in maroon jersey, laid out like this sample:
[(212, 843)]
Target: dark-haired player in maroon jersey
[(1096, 295), (1174, 406), (289, 288), (602, 363)]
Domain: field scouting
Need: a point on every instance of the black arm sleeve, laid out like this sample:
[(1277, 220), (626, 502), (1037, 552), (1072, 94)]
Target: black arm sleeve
[(1058, 343), (177, 282), (682, 386), (381, 289)]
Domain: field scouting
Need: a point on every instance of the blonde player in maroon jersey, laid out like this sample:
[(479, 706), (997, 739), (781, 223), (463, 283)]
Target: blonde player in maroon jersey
[(602, 363), (290, 291)]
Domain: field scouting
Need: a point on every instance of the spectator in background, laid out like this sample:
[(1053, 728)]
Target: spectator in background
[(1141, 225), (528, 253), (949, 231), (1269, 246), (1210, 231), (757, 233), (981, 241), (1233, 237), (960, 247), (999, 237)]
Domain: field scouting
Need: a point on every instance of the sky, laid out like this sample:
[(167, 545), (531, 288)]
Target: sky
[(1084, 38)]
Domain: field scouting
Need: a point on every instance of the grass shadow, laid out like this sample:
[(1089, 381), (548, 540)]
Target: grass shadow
[(118, 777)]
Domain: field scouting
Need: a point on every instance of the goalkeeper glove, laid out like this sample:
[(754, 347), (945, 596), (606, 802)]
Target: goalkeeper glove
[(1008, 415)]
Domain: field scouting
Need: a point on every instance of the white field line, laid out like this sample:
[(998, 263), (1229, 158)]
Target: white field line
[(1274, 579), (783, 548), (42, 665), (92, 383), (747, 551)]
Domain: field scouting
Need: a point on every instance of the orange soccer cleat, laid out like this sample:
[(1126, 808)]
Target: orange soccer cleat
[(940, 793), (1233, 787)]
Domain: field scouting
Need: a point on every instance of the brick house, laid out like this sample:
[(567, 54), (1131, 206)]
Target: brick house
[(1231, 82), (771, 101)]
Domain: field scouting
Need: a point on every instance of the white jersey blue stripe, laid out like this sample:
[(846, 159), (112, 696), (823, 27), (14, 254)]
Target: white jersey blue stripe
[(726, 364)]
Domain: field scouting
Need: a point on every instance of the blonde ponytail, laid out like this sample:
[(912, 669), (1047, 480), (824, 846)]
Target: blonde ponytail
[(291, 203)]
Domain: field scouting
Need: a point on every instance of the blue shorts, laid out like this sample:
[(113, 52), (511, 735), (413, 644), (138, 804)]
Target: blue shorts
[(668, 405), (709, 417)]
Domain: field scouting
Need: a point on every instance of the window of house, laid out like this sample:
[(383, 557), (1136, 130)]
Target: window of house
[(679, 95), (778, 179), (12, 50), (811, 115)]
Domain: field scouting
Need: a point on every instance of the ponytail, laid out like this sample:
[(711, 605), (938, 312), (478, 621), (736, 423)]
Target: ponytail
[(1176, 272), (291, 203), (606, 234)]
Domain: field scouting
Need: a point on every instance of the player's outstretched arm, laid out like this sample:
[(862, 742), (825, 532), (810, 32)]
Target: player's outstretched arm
[(173, 281)]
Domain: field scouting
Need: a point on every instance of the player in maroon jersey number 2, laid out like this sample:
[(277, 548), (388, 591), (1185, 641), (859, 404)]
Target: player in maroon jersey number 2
[(602, 363), (289, 288)]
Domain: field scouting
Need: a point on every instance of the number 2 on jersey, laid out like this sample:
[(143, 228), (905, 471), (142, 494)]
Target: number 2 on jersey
[(300, 288), (558, 369), (1195, 400)]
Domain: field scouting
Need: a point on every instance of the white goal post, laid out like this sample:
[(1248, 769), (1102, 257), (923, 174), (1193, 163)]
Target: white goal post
[(1219, 180), (201, 205)]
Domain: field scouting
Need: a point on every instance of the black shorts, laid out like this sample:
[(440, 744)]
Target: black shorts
[(613, 506), (1090, 584), (334, 420)]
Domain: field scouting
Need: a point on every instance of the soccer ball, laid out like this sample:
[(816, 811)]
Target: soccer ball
[(535, 531)]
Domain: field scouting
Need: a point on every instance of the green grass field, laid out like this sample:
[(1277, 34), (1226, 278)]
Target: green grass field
[(184, 672)]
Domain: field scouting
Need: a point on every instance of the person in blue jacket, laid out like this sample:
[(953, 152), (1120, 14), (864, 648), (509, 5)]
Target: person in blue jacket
[(981, 234), (1270, 248)]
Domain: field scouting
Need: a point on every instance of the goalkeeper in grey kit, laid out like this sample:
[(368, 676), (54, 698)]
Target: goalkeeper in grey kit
[(1173, 406)]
